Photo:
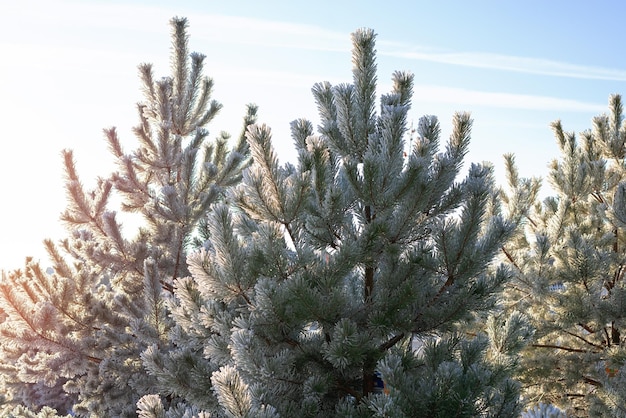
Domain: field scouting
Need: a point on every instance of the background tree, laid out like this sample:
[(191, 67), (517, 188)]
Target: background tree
[(74, 336), (569, 265), (358, 265)]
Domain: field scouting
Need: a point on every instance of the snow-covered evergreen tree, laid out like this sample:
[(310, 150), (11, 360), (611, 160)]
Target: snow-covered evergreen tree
[(74, 336), (340, 286), (570, 263)]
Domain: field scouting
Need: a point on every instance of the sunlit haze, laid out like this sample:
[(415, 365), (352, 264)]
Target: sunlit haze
[(68, 69)]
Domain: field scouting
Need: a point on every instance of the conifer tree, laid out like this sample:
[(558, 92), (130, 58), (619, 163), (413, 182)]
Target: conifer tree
[(570, 262), (72, 338), (339, 286)]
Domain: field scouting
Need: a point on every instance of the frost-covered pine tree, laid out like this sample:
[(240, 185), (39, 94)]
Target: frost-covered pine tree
[(339, 286), (73, 337), (570, 263)]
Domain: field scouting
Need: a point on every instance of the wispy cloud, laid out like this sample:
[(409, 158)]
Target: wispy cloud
[(236, 29), (459, 96), (269, 33), (527, 65), (144, 18), (272, 33)]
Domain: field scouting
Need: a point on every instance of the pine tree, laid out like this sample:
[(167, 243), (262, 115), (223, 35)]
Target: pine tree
[(569, 263), (340, 286), (73, 337)]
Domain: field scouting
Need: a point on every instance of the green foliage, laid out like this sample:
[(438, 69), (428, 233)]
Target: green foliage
[(322, 274)]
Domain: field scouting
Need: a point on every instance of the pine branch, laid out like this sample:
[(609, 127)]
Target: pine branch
[(511, 259), (177, 262), (600, 347), (391, 342), (558, 347), (346, 389), (591, 381), (576, 395), (587, 328), (607, 338)]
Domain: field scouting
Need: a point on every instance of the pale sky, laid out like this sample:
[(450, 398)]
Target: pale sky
[(68, 70)]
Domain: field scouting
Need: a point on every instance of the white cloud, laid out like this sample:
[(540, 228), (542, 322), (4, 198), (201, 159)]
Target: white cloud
[(251, 31), (254, 31), (512, 63), (233, 29), (113, 16), (459, 96)]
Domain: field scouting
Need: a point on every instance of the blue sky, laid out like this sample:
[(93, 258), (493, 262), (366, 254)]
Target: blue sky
[(68, 70)]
